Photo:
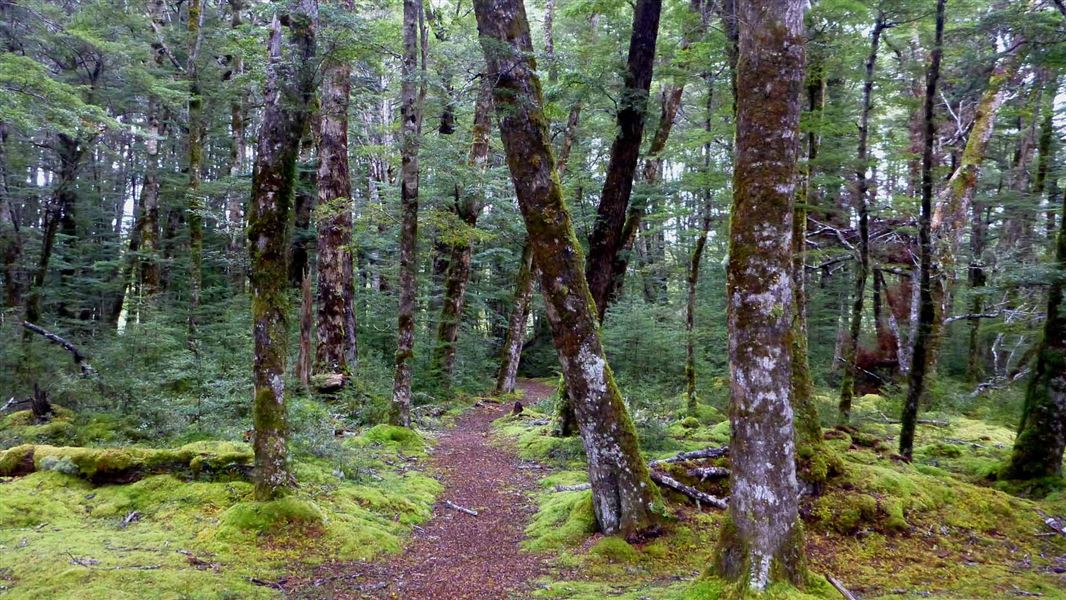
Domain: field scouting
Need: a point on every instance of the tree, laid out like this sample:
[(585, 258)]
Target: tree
[(411, 128), (623, 495), (926, 310), (763, 539), (336, 353), (287, 92)]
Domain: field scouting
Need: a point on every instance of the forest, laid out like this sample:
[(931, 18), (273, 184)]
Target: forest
[(501, 299)]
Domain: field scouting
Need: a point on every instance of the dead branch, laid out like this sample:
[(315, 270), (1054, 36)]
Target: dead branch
[(833, 581), (692, 493), (579, 487), (462, 509), (87, 370), (705, 473), (713, 452)]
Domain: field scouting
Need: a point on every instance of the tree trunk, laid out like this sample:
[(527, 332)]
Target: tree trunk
[(692, 402), (762, 541), (1038, 449), (303, 357), (606, 239), (195, 202), (516, 325), (234, 201), (10, 236), (306, 183), (287, 92), (150, 275), (862, 267), (623, 494), (336, 325), (468, 206), (411, 126), (926, 310)]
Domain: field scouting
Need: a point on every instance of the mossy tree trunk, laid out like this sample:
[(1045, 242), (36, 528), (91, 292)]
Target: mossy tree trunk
[(926, 309), (849, 353), (10, 236), (692, 402), (622, 492), (287, 92), (516, 325), (1038, 449), (234, 201), (411, 126), (762, 541), (336, 352), (468, 205), (194, 198)]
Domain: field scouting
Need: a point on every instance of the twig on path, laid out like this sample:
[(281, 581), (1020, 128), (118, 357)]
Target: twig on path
[(833, 581), (462, 509)]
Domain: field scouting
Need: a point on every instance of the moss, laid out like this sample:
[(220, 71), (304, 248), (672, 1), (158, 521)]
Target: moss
[(393, 435), (263, 517), (615, 550), (689, 422), (844, 512), (563, 519)]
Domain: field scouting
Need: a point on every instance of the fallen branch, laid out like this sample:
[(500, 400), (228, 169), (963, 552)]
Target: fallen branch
[(689, 491), (715, 452), (833, 581), (87, 370), (579, 487), (462, 509), (705, 473)]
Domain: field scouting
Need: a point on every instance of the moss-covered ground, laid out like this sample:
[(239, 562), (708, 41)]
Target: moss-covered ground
[(198, 534), (938, 528)]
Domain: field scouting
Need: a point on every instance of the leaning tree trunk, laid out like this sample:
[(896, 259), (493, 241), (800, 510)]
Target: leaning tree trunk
[(926, 309), (623, 495), (762, 541), (849, 353), (411, 125), (286, 93), (516, 326), (1041, 437), (336, 353), (468, 206)]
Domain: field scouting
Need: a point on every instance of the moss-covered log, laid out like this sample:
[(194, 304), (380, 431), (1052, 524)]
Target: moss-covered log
[(126, 465), (624, 498)]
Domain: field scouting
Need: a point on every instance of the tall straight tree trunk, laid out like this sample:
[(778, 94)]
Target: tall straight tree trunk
[(303, 356), (195, 203), (287, 92), (150, 275), (411, 126), (1038, 449), (692, 402), (234, 201), (762, 541), (926, 310), (623, 495), (468, 205), (606, 239), (336, 325), (306, 183), (862, 267), (516, 325), (10, 236)]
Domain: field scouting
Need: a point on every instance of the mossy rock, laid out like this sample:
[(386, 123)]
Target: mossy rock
[(402, 437), (940, 450)]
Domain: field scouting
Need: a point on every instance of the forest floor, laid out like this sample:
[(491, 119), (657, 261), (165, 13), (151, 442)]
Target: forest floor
[(456, 555)]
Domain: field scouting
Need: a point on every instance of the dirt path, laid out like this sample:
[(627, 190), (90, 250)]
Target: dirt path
[(456, 556)]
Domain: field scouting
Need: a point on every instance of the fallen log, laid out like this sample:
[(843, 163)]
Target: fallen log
[(833, 581), (87, 370), (714, 452), (126, 465), (686, 490), (580, 487)]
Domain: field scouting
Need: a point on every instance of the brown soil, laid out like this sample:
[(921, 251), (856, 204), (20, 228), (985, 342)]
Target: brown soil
[(455, 556)]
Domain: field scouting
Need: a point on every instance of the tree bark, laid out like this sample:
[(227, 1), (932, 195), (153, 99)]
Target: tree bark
[(287, 92), (337, 352), (411, 126), (468, 205), (10, 236), (606, 239), (623, 494), (926, 309), (306, 194), (762, 540), (195, 202), (692, 402), (516, 325), (303, 357), (234, 201), (1038, 449), (862, 267)]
